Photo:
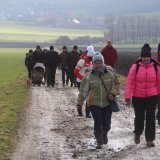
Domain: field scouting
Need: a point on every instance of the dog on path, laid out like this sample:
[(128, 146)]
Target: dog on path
[(29, 82)]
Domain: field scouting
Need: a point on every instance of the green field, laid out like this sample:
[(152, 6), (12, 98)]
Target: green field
[(13, 95), (20, 33), (11, 65)]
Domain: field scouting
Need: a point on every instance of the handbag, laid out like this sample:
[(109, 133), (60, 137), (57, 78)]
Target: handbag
[(113, 103)]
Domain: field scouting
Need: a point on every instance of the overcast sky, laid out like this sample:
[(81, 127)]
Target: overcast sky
[(81, 7)]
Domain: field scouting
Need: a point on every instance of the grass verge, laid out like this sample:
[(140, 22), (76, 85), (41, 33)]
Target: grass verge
[(12, 98)]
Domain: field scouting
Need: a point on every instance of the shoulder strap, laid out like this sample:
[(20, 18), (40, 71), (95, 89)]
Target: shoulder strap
[(103, 84), (137, 67), (155, 67)]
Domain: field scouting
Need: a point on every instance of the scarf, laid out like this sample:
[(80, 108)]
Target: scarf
[(100, 70)]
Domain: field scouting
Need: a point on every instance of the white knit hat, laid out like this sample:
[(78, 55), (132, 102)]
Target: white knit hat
[(97, 57), (90, 51)]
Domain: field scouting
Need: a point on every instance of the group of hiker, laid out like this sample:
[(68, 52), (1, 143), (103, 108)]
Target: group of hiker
[(94, 75)]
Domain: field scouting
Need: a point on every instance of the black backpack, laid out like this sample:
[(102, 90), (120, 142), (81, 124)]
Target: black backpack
[(152, 60)]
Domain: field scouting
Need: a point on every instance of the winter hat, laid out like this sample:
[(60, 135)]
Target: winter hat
[(38, 47), (30, 51), (64, 47), (75, 47), (146, 50), (90, 51), (51, 47), (97, 57)]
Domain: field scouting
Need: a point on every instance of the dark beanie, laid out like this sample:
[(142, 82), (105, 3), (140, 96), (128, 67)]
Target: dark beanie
[(30, 51), (146, 50), (38, 47), (75, 47), (51, 47), (64, 47)]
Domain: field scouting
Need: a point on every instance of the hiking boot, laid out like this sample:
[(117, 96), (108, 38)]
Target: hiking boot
[(137, 139), (150, 144), (99, 140), (105, 137), (79, 112)]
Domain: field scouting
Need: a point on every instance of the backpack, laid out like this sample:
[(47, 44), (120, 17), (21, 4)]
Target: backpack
[(152, 60)]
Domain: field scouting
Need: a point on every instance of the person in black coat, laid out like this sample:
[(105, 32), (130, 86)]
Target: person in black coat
[(72, 60), (38, 55), (51, 62), (29, 63)]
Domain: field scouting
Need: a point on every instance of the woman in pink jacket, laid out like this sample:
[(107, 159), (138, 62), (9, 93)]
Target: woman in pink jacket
[(143, 87)]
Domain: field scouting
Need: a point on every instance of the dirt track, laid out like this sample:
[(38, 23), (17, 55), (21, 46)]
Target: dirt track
[(51, 130)]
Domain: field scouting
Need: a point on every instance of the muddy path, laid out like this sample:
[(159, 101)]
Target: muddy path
[(51, 130)]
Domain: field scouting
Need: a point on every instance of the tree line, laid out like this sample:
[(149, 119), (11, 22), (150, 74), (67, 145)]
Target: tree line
[(132, 29)]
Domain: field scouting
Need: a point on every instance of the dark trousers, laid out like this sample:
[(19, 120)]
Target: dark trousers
[(87, 110), (30, 72), (50, 72), (142, 107), (65, 77), (72, 76), (102, 119)]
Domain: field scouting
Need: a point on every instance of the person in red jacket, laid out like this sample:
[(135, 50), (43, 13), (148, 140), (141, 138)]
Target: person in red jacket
[(84, 66), (143, 87), (110, 54)]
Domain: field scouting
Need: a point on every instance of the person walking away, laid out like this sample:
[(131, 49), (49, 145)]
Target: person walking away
[(143, 87), (29, 63), (72, 60), (110, 55), (98, 99), (52, 60), (44, 52), (84, 66), (38, 55), (63, 65)]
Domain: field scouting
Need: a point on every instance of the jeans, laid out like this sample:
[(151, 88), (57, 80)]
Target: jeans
[(102, 118)]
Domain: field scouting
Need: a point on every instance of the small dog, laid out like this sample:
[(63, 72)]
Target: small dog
[(29, 82)]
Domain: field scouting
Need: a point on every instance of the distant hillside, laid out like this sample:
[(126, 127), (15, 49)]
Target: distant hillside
[(53, 12)]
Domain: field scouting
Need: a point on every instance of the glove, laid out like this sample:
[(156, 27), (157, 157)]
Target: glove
[(79, 110), (111, 97)]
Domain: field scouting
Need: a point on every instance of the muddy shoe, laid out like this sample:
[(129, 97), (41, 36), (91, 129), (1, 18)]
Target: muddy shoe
[(150, 144), (137, 139)]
